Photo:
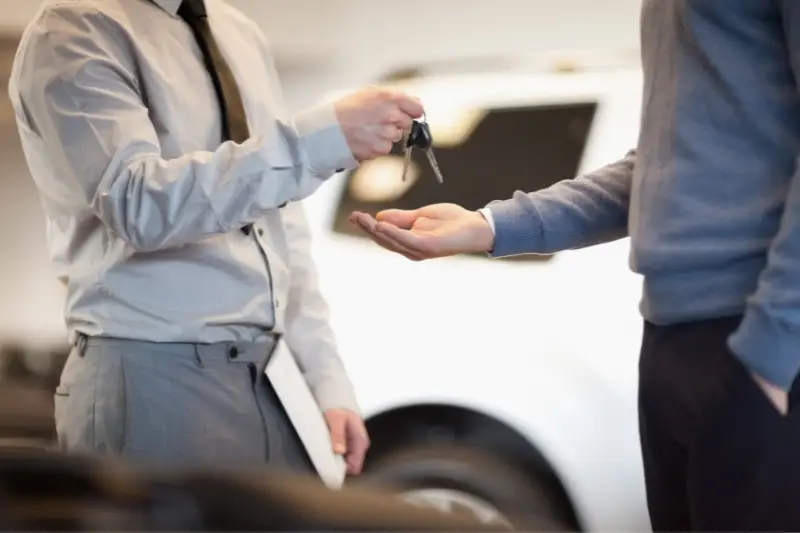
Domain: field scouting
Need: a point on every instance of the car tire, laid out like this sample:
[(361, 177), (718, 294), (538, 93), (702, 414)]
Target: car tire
[(525, 503)]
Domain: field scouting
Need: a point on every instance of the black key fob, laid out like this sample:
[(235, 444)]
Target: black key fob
[(420, 136)]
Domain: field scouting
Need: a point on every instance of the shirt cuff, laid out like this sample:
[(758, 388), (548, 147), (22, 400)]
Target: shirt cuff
[(487, 214), (322, 141), (517, 230), (336, 394)]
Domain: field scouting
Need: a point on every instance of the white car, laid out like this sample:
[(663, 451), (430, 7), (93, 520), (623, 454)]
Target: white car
[(506, 387)]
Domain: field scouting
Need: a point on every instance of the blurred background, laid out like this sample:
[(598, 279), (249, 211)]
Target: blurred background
[(320, 46), (483, 381)]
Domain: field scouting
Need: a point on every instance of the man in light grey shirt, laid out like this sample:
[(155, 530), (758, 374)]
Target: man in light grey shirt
[(185, 253)]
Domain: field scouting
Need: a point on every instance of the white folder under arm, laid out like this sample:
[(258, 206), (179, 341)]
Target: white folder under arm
[(304, 413)]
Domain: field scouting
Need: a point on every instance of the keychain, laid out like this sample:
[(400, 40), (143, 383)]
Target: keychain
[(420, 137)]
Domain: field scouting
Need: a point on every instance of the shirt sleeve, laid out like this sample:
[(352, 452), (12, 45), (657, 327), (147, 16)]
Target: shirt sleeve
[(78, 92), (588, 210), (768, 339), (322, 143), (308, 331)]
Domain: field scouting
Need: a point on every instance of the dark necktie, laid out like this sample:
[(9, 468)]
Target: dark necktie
[(234, 119)]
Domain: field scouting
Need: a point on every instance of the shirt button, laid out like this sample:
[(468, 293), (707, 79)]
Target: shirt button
[(233, 353), (260, 232), (278, 304)]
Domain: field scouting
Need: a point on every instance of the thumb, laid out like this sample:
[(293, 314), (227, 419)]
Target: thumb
[(398, 217), (337, 425)]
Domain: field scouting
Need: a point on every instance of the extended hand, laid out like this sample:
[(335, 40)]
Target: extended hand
[(438, 230), (776, 395), (349, 438), (374, 118)]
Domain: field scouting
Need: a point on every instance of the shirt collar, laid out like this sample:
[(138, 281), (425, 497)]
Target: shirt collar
[(170, 6)]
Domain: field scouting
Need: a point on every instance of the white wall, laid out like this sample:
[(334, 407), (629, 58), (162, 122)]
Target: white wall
[(330, 43), (377, 27), (348, 42), (447, 29), (354, 41), (30, 297)]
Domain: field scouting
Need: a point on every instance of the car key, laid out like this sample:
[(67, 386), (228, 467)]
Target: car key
[(420, 137)]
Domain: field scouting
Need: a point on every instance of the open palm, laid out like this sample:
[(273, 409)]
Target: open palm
[(438, 230)]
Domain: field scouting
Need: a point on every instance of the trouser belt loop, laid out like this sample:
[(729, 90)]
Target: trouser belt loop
[(80, 344)]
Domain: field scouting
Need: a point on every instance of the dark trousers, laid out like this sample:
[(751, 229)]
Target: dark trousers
[(717, 455)]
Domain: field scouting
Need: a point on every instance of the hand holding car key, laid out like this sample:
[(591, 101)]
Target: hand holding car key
[(420, 137), (438, 230)]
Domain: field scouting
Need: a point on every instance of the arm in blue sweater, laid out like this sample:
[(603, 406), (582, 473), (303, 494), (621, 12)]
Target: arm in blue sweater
[(768, 339), (590, 209)]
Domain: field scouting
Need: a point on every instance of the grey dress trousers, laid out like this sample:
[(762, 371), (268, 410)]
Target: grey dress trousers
[(175, 405)]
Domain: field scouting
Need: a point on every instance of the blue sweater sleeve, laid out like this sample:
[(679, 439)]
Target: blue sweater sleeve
[(768, 339), (590, 209)]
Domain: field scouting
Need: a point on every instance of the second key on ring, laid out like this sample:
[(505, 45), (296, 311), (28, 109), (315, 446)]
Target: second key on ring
[(420, 137)]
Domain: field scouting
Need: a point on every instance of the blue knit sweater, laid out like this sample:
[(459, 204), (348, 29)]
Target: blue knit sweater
[(711, 195)]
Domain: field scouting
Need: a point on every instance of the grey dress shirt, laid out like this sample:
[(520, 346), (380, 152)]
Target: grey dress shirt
[(122, 132)]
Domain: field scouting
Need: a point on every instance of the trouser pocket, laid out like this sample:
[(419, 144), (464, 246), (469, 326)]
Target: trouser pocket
[(734, 470), (90, 403)]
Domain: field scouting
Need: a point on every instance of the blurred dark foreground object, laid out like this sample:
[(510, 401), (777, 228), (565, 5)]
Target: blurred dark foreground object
[(26, 414), (48, 491)]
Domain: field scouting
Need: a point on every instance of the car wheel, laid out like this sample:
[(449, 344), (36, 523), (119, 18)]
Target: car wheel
[(456, 479)]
